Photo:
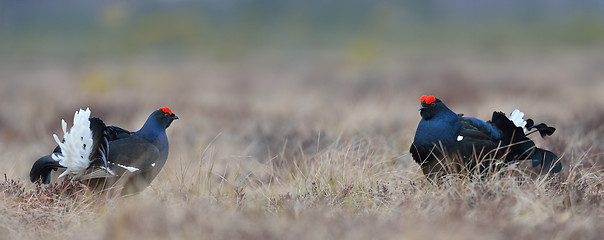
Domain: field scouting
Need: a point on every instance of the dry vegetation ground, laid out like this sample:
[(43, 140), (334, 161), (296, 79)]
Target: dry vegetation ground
[(289, 148)]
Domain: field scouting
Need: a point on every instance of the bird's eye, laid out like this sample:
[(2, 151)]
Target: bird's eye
[(432, 104)]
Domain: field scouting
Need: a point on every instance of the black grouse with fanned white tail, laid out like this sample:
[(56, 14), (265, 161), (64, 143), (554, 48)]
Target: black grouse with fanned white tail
[(103, 156), (446, 142)]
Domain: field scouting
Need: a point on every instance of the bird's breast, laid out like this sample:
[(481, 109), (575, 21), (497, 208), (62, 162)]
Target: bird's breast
[(432, 132)]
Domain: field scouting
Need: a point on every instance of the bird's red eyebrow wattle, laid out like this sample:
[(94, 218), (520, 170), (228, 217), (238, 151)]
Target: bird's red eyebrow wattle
[(430, 99), (421, 100), (166, 110)]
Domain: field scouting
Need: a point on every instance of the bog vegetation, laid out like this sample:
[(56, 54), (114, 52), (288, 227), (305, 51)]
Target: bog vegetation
[(306, 150)]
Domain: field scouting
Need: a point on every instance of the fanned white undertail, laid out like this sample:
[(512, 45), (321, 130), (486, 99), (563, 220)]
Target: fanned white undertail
[(518, 118), (77, 144)]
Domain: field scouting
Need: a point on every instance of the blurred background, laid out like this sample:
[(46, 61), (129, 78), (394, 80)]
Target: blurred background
[(257, 78)]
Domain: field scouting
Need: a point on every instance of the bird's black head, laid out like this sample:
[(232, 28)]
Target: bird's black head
[(430, 107), (164, 116)]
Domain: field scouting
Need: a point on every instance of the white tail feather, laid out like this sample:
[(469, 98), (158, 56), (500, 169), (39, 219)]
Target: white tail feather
[(518, 118), (77, 144)]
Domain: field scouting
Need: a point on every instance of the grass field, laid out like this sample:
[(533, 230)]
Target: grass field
[(308, 147)]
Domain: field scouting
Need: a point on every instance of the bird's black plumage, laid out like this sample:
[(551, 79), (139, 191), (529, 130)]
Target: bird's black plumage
[(42, 168), (118, 155), (446, 142)]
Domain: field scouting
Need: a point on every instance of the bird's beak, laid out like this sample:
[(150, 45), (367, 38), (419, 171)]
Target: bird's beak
[(421, 107), (174, 117)]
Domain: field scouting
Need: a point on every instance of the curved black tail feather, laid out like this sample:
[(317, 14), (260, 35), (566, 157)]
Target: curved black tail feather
[(542, 128), (548, 160), (42, 169), (521, 147)]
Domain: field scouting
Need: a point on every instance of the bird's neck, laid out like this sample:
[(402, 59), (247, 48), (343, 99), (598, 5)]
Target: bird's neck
[(153, 132)]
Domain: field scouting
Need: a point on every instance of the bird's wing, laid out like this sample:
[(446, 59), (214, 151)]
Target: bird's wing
[(476, 137), (126, 155), (133, 153), (485, 127)]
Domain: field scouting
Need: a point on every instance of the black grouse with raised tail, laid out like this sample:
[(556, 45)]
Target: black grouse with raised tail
[(446, 142), (102, 156)]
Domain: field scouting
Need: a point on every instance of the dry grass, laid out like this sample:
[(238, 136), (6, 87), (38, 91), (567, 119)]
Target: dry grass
[(306, 149)]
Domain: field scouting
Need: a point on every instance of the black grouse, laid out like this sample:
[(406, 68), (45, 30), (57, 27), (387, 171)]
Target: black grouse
[(446, 142), (103, 157)]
